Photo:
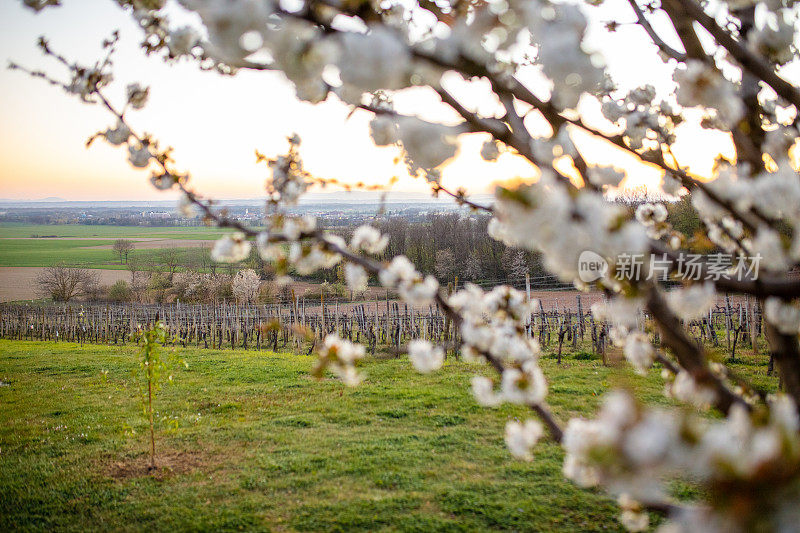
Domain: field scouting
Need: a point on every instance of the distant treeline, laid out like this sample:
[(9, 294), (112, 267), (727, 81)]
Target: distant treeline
[(448, 246)]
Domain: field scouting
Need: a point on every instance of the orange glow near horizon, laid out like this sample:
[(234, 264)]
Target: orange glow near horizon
[(216, 123)]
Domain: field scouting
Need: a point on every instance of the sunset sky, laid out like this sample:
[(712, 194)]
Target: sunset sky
[(216, 123)]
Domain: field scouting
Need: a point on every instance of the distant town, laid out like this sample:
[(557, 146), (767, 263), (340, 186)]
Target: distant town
[(335, 209)]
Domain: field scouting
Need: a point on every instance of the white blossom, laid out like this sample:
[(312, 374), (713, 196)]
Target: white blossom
[(269, 251), (602, 176), (778, 142), (784, 414), (693, 302), (767, 243), (85, 81), (520, 438), (494, 323), (639, 352), (308, 258), (671, 185), (398, 270), (784, 316), (368, 239), (425, 356), (246, 284), (633, 517), (227, 21), (231, 248), (612, 110), (302, 53), (777, 193), (490, 151), (292, 228), (687, 389), (544, 217), (137, 95), (525, 385), (776, 43), (288, 180), (622, 314), (375, 60), (559, 36), (139, 156), (383, 130), (185, 206), (419, 292), (162, 182), (650, 213), (356, 277), (427, 144), (483, 391), (651, 439), (118, 135), (632, 451), (340, 356), (701, 85), (400, 274), (182, 40)]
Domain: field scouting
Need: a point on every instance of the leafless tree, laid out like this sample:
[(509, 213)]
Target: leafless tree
[(138, 283), (206, 264), (219, 287), (135, 268), (62, 283), (123, 248), (169, 259)]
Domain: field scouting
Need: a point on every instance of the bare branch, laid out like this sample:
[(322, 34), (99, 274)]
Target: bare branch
[(657, 40), (749, 60), (690, 356), (785, 350)]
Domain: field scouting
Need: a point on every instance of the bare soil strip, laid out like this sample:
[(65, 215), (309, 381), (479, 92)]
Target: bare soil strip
[(19, 283)]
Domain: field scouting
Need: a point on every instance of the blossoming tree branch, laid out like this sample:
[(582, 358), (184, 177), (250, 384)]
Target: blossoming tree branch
[(533, 62)]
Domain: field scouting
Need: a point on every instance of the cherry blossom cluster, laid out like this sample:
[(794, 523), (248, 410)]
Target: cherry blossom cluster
[(561, 223), (491, 318), (364, 54), (288, 180), (633, 451), (412, 286), (339, 356), (494, 327), (647, 120)]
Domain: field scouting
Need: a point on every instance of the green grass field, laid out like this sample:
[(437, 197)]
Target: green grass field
[(254, 442), (248, 440), (9, 230), (18, 248), (47, 252)]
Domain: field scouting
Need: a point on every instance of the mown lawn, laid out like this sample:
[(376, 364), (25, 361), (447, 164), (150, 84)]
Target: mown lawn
[(247, 440)]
